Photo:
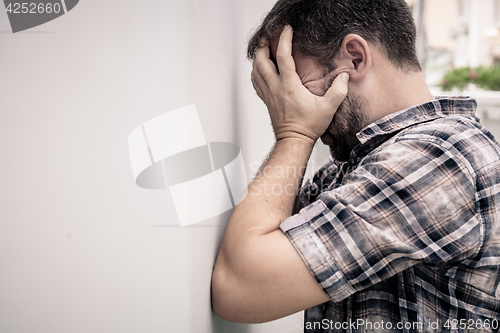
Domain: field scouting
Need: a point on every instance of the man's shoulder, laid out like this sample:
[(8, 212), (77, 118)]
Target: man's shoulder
[(446, 126), (463, 137)]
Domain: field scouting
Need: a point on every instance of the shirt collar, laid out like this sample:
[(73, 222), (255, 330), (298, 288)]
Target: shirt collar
[(441, 107)]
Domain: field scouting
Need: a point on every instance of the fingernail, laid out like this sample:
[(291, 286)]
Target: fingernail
[(286, 27), (345, 77)]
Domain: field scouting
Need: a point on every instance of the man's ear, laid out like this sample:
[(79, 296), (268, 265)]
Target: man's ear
[(354, 57)]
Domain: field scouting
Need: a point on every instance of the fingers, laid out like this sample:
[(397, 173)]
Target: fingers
[(262, 52), (258, 84), (338, 90), (286, 64), (263, 64), (264, 74)]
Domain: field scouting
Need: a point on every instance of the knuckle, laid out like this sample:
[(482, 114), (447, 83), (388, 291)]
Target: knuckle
[(257, 64), (287, 89), (266, 75), (281, 57)]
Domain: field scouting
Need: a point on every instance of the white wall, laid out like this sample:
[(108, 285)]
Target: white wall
[(82, 248)]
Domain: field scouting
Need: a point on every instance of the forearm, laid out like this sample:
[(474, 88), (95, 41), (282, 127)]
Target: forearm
[(252, 256), (271, 195)]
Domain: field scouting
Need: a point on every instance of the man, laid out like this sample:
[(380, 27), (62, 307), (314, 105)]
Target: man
[(399, 230)]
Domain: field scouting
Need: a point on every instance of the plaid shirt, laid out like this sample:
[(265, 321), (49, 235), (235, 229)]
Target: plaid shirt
[(405, 236)]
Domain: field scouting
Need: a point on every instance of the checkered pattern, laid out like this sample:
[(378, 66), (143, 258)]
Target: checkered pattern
[(407, 231)]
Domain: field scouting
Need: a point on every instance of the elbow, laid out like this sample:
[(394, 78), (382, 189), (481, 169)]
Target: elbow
[(220, 306), (217, 294), (224, 303), (228, 297)]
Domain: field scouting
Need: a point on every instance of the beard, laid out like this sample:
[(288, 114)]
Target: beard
[(346, 123)]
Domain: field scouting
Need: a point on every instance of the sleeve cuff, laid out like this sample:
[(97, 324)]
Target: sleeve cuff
[(314, 253), (304, 216)]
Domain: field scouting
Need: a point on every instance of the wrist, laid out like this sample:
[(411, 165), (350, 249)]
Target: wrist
[(296, 138), (299, 145), (299, 140), (295, 131)]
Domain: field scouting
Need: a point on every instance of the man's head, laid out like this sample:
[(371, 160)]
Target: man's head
[(320, 26), (334, 36)]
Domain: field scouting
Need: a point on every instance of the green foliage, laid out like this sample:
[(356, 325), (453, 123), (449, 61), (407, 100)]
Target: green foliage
[(487, 78)]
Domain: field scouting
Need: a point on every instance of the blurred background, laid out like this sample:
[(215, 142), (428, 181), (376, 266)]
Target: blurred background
[(456, 33), (82, 248), (459, 50)]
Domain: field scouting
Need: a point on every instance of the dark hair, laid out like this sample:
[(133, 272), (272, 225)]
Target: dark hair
[(320, 26)]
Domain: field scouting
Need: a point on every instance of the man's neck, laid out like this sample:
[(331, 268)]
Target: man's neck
[(397, 91)]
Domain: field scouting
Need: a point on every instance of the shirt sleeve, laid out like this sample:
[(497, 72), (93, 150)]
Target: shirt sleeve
[(411, 202)]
